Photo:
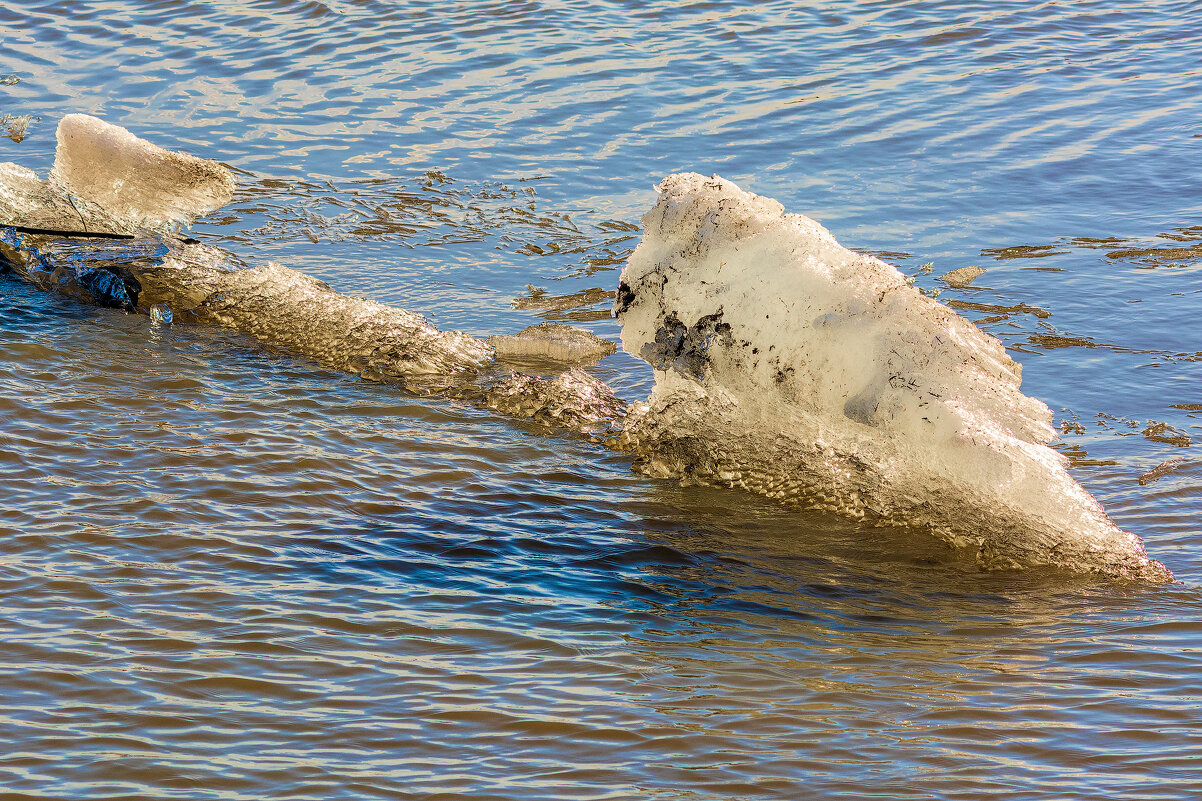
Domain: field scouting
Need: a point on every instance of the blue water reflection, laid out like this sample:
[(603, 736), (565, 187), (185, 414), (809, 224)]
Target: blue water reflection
[(229, 574)]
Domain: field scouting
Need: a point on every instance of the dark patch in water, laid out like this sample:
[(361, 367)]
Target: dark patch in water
[(112, 287)]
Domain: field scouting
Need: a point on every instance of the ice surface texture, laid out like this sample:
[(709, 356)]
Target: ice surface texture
[(135, 180), (790, 366), (551, 342), (573, 400)]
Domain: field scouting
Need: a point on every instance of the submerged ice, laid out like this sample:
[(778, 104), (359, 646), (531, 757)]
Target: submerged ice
[(790, 366), (785, 364), (551, 342)]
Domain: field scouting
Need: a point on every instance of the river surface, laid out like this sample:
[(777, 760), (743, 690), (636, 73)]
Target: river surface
[(228, 574)]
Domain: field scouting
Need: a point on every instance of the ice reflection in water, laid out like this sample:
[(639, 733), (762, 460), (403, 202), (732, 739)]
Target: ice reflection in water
[(433, 212)]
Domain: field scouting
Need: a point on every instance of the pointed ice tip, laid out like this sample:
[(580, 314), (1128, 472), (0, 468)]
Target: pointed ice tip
[(133, 179)]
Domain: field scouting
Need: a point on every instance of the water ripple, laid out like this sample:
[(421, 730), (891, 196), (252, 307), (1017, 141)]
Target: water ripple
[(233, 575)]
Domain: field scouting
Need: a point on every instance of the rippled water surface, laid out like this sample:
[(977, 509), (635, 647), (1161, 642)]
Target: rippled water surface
[(233, 575)]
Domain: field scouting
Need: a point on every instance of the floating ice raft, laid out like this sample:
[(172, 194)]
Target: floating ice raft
[(790, 366), (785, 364), (552, 342)]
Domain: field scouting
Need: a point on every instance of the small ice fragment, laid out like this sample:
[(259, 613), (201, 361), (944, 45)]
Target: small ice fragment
[(958, 279), (160, 313), (17, 126), (1160, 471), (1163, 432), (539, 300), (552, 342)]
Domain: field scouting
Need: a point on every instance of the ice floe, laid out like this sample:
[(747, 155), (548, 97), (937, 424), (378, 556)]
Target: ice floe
[(793, 367), (785, 364)]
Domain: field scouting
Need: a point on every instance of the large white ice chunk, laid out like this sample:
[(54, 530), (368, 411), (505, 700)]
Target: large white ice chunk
[(789, 365)]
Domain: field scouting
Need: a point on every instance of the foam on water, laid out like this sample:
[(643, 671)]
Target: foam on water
[(791, 366)]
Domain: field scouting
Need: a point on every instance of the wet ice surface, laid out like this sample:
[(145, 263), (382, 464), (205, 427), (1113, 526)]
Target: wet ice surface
[(283, 309), (107, 181), (792, 367), (232, 574), (552, 342), (132, 179)]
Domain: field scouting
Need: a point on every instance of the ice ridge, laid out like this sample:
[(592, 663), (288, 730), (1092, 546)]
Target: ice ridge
[(790, 366)]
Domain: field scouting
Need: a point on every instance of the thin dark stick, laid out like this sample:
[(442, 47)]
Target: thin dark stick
[(25, 229), (77, 211)]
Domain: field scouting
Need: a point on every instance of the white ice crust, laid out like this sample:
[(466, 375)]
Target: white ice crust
[(791, 366)]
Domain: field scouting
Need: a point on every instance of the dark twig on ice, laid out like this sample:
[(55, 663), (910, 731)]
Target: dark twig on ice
[(26, 229)]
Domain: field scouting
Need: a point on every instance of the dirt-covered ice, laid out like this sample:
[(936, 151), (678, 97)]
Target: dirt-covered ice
[(793, 367)]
